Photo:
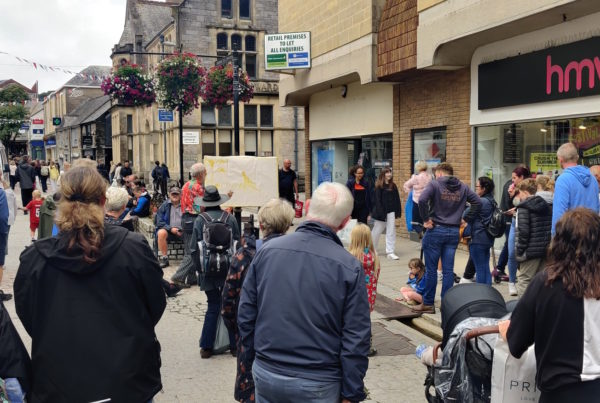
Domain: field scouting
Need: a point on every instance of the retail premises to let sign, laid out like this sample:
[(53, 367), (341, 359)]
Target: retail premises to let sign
[(287, 51)]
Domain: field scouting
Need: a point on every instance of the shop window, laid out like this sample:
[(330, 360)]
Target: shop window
[(225, 145), (225, 116), (429, 145), (208, 143), (250, 118), (226, 9), (332, 160), (376, 154), (245, 9), (250, 142), (266, 115), (266, 143)]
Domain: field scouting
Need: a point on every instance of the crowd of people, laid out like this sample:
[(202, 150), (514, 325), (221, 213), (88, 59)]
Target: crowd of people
[(290, 347)]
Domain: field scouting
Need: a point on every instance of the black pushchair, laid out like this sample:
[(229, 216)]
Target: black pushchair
[(470, 313)]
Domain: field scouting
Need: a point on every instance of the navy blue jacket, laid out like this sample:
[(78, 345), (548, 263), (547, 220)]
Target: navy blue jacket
[(478, 222), (163, 216), (304, 309)]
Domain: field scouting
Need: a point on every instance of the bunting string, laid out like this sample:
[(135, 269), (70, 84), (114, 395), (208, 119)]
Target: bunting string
[(45, 67)]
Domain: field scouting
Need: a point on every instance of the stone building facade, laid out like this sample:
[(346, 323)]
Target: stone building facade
[(210, 29)]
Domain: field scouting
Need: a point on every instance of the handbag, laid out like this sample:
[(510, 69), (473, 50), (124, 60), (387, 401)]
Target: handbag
[(513, 379), (222, 337)]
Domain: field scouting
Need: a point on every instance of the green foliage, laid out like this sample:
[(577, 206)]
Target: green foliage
[(179, 81), (13, 93), (12, 116)]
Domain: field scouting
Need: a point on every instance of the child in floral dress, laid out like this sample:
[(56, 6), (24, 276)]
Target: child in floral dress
[(361, 246)]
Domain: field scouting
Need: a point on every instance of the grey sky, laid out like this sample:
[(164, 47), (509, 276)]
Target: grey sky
[(71, 34)]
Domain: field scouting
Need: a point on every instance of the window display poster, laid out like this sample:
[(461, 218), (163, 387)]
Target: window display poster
[(513, 146), (543, 162), (325, 164)]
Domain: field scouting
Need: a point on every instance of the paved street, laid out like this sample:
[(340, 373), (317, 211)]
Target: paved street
[(394, 375)]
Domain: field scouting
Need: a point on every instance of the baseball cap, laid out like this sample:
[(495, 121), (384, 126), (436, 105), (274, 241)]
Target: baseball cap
[(174, 189)]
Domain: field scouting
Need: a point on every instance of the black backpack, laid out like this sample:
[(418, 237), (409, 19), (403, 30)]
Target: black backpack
[(216, 247), (496, 226)]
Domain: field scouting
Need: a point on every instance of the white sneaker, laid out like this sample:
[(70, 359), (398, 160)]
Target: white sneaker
[(512, 289), (440, 276), (392, 256), (465, 280)]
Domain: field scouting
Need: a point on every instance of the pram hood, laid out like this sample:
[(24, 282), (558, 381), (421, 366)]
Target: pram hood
[(468, 301)]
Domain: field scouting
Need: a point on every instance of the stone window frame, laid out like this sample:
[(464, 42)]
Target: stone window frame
[(228, 16)]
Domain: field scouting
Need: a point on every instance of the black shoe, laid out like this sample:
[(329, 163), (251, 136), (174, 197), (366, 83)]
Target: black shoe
[(233, 352), (173, 290), (5, 297), (180, 284), (206, 353), (164, 261)]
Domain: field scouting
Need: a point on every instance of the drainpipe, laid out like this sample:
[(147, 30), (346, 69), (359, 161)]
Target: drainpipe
[(296, 137)]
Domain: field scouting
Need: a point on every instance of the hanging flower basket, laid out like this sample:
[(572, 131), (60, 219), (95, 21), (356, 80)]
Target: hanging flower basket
[(218, 86), (129, 86), (179, 81)]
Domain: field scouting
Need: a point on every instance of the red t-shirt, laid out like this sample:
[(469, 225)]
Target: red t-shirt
[(34, 210)]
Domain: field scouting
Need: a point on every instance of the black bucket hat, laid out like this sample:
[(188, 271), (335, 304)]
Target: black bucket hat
[(211, 197)]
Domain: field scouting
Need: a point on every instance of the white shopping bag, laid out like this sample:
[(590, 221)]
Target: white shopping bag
[(513, 380), (344, 233)]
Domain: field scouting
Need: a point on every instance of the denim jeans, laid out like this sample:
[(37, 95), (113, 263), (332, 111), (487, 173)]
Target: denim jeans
[(503, 258), (14, 391), (439, 242), (270, 387), (209, 329), (512, 261), (481, 259)]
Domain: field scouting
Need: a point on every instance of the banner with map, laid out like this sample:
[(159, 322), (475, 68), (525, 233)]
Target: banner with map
[(253, 180)]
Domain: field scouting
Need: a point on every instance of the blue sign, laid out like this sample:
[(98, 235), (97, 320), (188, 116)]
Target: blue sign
[(325, 166), (38, 131), (165, 115), (24, 126), (298, 59), (51, 142)]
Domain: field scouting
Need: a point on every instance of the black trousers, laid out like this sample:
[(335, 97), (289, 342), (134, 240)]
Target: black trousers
[(26, 196), (575, 392)]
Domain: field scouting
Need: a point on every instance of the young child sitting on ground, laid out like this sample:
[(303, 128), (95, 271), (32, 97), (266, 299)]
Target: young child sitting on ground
[(34, 212), (411, 294)]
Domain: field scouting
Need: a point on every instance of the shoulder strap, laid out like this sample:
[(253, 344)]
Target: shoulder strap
[(223, 218), (206, 217)]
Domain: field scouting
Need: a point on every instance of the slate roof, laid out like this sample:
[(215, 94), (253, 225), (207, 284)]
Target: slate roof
[(83, 81), (146, 19), (82, 113)]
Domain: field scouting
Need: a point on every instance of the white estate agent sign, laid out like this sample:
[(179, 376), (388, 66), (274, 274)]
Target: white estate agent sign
[(287, 51), (191, 137)]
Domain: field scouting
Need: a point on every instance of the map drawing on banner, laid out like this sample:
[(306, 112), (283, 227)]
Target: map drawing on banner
[(253, 180)]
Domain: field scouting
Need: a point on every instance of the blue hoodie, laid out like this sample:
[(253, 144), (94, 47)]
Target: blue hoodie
[(575, 187)]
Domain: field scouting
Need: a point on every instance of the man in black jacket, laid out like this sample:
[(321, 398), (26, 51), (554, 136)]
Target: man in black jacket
[(126, 170), (26, 177), (304, 312)]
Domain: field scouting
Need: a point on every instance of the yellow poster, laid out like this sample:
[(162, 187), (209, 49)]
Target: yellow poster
[(542, 162), (253, 180)]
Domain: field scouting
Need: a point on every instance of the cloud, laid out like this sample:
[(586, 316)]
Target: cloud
[(69, 33)]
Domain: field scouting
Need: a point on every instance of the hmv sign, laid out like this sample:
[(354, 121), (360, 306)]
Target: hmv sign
[(562, 72)]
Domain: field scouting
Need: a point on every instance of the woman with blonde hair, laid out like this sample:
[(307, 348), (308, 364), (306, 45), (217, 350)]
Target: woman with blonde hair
[(90, 299), (361, 246), (417, 184)]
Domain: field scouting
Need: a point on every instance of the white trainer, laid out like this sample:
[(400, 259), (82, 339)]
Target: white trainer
[(464, 280), (392, 256), (440, 276), (512, 289)]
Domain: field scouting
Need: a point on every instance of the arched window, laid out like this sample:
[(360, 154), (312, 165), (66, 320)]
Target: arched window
[(236, 42), (222, 41)]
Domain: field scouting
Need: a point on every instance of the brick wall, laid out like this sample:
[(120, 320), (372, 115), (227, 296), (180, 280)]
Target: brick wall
[(397, 40), (428, 100)]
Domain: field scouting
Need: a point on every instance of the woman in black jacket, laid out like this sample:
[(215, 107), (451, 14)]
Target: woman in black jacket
[(362, 193), (532, 233), (559, 313), (90, 299), (385, 212)]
